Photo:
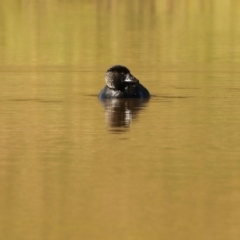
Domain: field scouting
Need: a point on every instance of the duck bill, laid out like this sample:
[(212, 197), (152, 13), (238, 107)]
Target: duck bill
[(130, 79)]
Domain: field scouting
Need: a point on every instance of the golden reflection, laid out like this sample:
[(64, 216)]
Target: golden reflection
[(173, 175), (74, 34)]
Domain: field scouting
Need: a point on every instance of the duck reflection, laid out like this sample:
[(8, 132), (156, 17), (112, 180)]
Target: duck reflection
[(120, 113)]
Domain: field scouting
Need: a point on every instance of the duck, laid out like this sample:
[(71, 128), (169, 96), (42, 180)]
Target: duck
[(120, 83)]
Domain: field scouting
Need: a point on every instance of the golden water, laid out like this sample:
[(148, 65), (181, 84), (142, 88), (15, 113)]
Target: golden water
[(72, 167)]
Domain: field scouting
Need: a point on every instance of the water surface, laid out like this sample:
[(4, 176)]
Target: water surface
[(73, 167)]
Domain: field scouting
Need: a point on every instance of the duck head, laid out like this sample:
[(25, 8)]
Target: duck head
[(119, 77)]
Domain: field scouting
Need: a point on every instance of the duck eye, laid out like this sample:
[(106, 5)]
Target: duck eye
[(122, 75)]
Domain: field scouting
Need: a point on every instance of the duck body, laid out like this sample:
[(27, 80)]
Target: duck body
[(132, 91), (120, 83)]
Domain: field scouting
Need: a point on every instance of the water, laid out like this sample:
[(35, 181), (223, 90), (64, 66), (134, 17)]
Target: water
[(73, 167)]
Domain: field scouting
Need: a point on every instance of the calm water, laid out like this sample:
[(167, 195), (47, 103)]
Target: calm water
[(72, 167)]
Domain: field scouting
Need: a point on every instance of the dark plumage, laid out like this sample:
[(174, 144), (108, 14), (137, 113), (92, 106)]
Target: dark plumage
[(120, 83)]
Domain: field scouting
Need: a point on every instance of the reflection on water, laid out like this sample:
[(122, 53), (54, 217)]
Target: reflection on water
[(120, 113), (172, 173)]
